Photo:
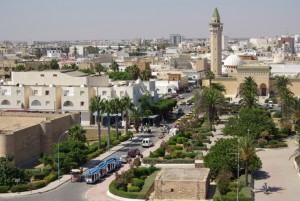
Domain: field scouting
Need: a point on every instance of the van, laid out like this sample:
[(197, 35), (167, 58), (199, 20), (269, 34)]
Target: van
[(270, 104), (147, 142)]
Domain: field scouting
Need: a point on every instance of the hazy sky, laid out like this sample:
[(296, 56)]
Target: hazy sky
[(126, 19)]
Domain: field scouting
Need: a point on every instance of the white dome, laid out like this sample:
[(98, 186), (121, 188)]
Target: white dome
[(233, 60)]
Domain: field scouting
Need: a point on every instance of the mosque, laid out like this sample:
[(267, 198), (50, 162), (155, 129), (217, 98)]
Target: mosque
[(233, 71)]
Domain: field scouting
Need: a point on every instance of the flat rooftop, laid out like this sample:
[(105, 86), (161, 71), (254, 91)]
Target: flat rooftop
[(13, 121), (183, 174)]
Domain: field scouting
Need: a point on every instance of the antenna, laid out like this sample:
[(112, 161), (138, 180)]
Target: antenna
[(286, 31)]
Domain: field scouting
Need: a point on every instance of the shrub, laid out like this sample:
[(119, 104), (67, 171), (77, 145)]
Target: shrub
[(160, 152), (272, 142), (178, 154), (19, 188), (262, 143), (167, 157), (223, 181), (178, 147), (277, 115), (38, 184), (153, 154), (133, 189), (191, 155), (148, 160), (279, 144), (140, 171), (138, 182), (38, 175), (136, 162), (51, 177), (4, 189), (152, 169), (181, 140)]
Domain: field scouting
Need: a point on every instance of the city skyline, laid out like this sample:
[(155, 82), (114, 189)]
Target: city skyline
[(117, 19)]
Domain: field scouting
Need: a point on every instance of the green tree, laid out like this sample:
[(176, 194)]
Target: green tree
[(20, 68), (99, 68), (249, 92), (116, 109), (145, 75), (9, 172), (38, 53), (65, 67), (136, 117), (222, 157), (109, 109), (114, 66), (145, 102), (255, 119), (119, 76), (209, 100), (269, 49), (134, 71), (218, 86), (53, 64), (66, 50), (247, 152), (126, 105), (97, 105), (77, 133), (92, 50), (209, 75)]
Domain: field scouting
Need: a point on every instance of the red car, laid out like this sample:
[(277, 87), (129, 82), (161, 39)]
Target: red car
[(133, 152)]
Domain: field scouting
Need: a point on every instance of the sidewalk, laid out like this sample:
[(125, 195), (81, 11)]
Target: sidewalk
[(67, 177)]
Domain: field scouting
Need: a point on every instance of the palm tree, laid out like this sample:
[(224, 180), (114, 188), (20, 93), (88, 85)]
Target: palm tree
[(116, 109), (54, 64), (282, 83), (148, 113), (75, 52), (114, 66), (219, 86), (126, 104), (77, 133), (209, 75), (136, 116), (109, 108), (145, 75), (209, 100), (247, 152), (249, 92), (97, 105)]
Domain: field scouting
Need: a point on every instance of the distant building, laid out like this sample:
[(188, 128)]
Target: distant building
[(224, 42), (258, 43), (175, 39), (287, 44)]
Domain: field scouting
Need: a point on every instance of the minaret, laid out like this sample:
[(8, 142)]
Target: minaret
[(216, 28)]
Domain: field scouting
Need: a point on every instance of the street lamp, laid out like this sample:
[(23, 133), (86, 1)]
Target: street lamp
[(58, 170), (238, 170), (248, 132)]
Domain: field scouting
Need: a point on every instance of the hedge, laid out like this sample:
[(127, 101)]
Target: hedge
[(4, 189), (19, 188), (278, 145), (38, 184), (133, 189), (137, 182), (148, 160)]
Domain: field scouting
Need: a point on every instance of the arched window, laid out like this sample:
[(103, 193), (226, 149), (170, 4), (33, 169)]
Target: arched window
[(36, 103), (68, 104), (5, 102), (263, 89)]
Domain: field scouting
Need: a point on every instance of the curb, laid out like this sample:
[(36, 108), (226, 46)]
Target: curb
[(121, 198), (40, 191)]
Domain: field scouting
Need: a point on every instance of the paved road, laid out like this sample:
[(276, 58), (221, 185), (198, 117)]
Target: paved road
[(279, 173), (76, 191)]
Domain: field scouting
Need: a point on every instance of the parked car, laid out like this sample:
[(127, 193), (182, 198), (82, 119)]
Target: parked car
[(125, 158), (181, 96), (133, 152)]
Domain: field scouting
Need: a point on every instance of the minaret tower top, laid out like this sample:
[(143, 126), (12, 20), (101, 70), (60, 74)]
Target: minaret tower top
[(216, 29)]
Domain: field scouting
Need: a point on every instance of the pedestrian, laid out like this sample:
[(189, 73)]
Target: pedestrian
[(265, 187)]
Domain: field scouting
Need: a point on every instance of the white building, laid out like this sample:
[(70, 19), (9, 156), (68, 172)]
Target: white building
[(259, 42), (56, 54)]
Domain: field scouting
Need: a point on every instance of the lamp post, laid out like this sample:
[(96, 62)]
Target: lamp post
[(58, 170), (248, 132), (238, 171)]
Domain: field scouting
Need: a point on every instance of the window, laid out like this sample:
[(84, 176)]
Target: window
[(82, 103), (47, 102), (81, 93), (18, 102), (47, 93), (103, 93), (42, 75), (122, 93), (54, 75), (18, 92), (35, 92)]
